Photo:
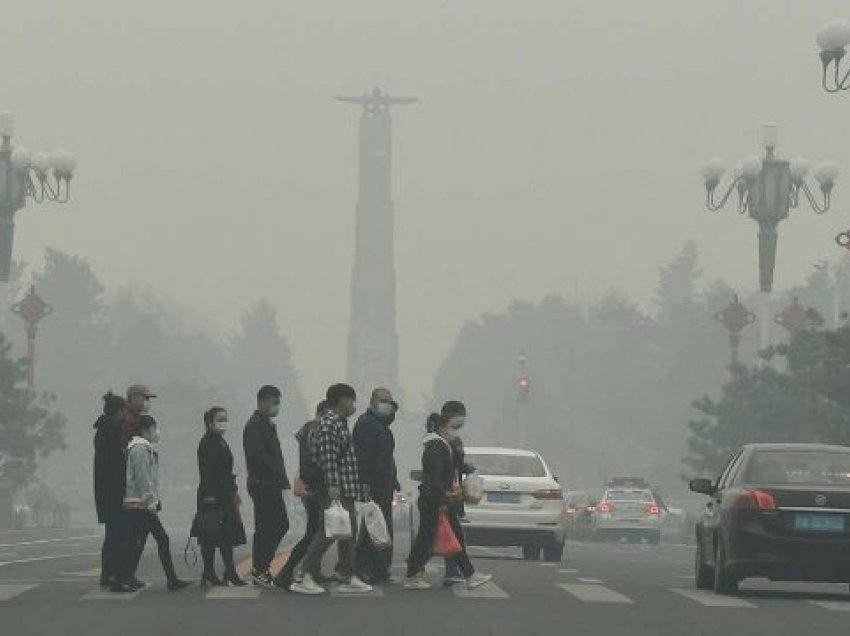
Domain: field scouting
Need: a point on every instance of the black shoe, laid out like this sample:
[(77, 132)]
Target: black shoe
[(137, 585), (176, 584), (283, 582), (121, 588), (211, 580), (232, 579)]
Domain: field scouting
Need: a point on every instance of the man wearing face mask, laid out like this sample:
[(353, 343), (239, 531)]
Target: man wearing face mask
[(139, 398), (266, 482), (374, 445), (333, 451)]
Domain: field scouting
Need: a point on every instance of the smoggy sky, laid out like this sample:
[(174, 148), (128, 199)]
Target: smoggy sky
[(557, 148)]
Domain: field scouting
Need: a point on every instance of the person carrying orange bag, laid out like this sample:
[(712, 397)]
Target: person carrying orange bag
[(439, 526)]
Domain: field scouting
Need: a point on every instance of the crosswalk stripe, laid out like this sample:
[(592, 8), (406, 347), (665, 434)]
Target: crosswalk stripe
[(106, 595), (710, 599), (8, 592), (590, 593), (567, 571), (488, 590), (593, 581), (834, 606), (245, 592), (377, 592)]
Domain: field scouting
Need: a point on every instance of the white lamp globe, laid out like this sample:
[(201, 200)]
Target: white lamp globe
[(799, 168), (20, 158), (827, 172), (63, 162), (41, 162), (751, 167), (834, 36), (713, 169)]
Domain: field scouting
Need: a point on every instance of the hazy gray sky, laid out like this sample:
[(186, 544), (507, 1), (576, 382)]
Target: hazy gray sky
[(558, 145)]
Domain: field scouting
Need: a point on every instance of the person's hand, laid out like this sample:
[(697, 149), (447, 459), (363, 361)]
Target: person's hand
[(300, 489), (455, 493), (334, 493), (367, 491)]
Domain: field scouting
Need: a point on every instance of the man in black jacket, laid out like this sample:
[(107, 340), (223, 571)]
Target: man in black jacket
[(110, 475), (266, 482), (374, 445)]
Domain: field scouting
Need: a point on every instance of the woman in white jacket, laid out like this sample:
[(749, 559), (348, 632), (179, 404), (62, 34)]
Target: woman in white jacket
[(142, 503)]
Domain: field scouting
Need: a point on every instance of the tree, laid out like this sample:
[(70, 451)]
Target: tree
[(29, 430)]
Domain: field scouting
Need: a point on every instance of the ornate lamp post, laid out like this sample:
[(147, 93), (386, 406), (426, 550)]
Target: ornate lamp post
[(833, 40), (794, 318), (735, 318), (32, 309), (768, 189)]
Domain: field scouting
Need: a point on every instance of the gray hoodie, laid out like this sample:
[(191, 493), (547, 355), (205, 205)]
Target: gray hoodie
[(142, 492)]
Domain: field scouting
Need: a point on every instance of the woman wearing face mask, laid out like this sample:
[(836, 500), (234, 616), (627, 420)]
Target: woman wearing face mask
[(218, 523), (439, 492), (142, 503)]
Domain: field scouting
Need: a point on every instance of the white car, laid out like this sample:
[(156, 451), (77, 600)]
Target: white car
[(631, 513), (523, 503)]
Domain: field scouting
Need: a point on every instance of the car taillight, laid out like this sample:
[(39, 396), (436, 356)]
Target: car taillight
[(757, 500), (653, 509), (606, 508), (571, 512), (556, 493)]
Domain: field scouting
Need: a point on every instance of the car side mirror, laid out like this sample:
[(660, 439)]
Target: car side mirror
[(416, 475), (557, 481), (701, 486)]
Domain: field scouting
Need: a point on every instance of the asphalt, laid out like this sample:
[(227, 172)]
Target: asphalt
[(48, 583)]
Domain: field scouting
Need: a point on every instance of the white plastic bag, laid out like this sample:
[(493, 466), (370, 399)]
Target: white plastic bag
[(473, 489), (376, 525), (337, 522)]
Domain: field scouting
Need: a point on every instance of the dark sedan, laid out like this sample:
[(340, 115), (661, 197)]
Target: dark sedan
[(778, 511)]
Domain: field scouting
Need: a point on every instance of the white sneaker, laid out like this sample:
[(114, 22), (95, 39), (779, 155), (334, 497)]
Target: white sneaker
[(355, 586), (417, 582), (477, 580), (307, 586)]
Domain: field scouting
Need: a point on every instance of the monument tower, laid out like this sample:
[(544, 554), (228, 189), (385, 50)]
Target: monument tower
[(372, 339)]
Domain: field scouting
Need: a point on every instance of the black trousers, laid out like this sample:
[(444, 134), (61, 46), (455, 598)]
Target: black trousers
[(112, 553), (314, 510), (140, 524), (423, 547), (371, 561), (271, 523)]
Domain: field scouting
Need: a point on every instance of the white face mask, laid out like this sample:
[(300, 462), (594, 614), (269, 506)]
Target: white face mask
[(220, 427), (457, 423), (384, 409), (156, 436)]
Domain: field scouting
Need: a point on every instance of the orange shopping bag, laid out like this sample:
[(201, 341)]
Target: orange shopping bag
[(445, 541)]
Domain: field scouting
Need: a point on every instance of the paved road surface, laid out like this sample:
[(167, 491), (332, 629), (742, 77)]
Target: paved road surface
[(48, 583)]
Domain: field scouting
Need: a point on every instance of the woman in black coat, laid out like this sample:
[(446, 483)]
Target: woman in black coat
[(218, 523), (110, 474)]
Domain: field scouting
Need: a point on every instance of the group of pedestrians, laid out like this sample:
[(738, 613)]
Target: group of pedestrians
[(338, 465)]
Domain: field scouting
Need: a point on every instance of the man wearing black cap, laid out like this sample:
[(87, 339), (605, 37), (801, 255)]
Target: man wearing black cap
[(374, 445)]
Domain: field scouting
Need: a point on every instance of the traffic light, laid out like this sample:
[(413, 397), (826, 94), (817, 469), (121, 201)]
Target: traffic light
[(524, 384)]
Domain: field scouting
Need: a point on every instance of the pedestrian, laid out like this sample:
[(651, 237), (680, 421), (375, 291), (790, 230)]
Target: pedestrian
[(110, 474), (143, 504), (139, 398), (456, 413), (266, 482), (439, 493), (333, 451), (218, 522), (306, 488), (374, 445)]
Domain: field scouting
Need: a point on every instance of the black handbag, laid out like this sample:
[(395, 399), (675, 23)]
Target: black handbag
[(208, 521)]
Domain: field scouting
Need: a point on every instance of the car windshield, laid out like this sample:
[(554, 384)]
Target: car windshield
[(799, 467), (629, 495), (507, 465)]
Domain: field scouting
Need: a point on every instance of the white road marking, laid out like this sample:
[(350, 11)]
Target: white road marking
[(595, 593), (248, 591), (49, 558), (8, 592), (834, 606), (567, 571), (592, 581), (710, 599), (689, 577), (376, 592), (549, 565), (106, 595), (488, 590), (94, 572), (44, 541)]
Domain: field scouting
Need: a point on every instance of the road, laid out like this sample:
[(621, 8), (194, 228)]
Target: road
[(48, 582)]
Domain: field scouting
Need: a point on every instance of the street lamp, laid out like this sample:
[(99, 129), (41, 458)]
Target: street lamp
[(735, 317), (833, 40), (39, 176), (32, 310), (794, 318)]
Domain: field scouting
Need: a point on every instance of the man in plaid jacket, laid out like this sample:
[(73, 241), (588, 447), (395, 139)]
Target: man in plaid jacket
[(333, 451)]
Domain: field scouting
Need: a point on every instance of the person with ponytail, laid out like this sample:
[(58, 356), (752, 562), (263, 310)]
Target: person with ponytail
[(218, 523), (439, 493)]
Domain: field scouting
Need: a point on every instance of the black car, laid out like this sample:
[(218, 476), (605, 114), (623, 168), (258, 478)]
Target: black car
[(778, 511)]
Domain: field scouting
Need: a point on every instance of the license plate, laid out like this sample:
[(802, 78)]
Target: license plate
[(504, 497), (819, 523)]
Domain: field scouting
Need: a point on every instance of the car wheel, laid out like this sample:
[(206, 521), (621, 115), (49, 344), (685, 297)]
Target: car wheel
[(531, 552), (724, 582), (703, 575), (553, 552)]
